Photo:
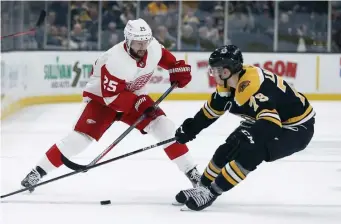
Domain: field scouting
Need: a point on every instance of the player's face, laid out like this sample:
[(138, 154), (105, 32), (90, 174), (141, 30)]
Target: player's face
[(219, 74), (139, 47)]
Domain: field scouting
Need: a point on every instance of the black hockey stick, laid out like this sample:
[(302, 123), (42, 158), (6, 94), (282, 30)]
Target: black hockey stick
[(92, 166), (75, 166), (32, 30)]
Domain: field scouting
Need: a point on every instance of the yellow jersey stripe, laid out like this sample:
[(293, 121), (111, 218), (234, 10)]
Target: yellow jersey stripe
[(228, 177), (222, 89), (273, 120), (274, 111), (214, 168), (207, 114), (215, 111), (299, 118), (236, 169), (208, 176)]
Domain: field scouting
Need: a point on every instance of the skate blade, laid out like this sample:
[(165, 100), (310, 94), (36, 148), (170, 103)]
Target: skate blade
[(175, 203), (184, 208)]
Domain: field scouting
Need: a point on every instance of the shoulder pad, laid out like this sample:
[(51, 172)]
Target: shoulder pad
[(155, 46), (248, 84), (120, 64)]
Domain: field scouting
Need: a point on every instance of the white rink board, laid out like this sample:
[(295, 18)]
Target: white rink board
[(32, 69), (64, 74)]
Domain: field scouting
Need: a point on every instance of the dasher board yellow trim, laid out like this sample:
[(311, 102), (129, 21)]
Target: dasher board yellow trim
[(206, 96), (14, 107), (29, 101)]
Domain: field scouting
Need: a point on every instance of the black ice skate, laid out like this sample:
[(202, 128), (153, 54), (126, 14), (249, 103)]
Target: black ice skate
[(194, 176), (200, 198), (184, 195), (33, 178)]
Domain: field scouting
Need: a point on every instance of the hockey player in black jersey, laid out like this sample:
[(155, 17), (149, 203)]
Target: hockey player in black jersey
[(278, 121)]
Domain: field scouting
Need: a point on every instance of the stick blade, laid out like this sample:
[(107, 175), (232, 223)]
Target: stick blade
[(41, 18)]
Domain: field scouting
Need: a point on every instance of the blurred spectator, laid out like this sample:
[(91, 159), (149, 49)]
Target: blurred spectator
[(63, 32), (53, 37), (207, 22), (78, 37), (189, 38), (79, 12), (212, 32), (157, 8), (302, 25), (91, 25), (62, 8), (51, 18), (306, 27), (164, 38), (127, 14), (250, 25), (111, 36), (190, 18)]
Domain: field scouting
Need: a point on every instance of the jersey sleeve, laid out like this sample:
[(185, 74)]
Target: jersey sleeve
[(167, 59), (218, 103)]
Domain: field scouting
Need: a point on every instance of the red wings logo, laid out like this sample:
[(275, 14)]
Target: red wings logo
[(242, 86), (139, 82)]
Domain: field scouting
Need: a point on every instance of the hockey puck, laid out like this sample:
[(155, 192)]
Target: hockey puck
[(107, 202)]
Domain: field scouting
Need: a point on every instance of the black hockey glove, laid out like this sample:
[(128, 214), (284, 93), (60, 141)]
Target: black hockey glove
[(186, 132)]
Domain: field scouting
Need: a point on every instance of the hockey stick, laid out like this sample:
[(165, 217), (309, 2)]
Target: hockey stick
[(32, 30), (92, 166), (75, 166)]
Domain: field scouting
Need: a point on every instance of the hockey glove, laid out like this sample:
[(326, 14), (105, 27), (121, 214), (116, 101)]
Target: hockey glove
[(180, 73), (186, 132), (144, 104)]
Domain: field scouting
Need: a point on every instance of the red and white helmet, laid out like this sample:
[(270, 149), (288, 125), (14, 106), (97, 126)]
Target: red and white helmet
[(137, 30)]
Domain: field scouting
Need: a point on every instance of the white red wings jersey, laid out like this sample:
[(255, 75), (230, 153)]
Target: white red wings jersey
[(116, 75)]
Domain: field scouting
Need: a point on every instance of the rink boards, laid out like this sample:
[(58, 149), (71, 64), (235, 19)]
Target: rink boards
[(30, 78)]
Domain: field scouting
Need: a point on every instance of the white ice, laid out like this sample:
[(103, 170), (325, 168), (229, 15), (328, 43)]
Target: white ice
[(303, 188)]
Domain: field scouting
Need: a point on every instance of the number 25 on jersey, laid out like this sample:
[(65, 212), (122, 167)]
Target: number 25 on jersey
[(109, 85)]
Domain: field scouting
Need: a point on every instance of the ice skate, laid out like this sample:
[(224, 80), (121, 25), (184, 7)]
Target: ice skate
[(194, 176), (198, 198), (33, 178)]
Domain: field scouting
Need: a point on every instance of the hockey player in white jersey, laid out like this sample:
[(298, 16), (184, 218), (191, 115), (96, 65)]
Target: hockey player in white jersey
[(116, 92)]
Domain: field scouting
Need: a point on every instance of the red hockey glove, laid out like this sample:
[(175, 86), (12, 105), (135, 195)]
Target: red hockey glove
[(180, 73), (144, 104)]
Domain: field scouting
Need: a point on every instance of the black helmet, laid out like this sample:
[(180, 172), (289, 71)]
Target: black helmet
[(227, 56)]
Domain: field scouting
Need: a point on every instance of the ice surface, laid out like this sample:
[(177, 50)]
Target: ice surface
[(304, 188)]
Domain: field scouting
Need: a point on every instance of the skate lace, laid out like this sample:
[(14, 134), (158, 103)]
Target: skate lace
[(190, 192), (194, 175), (33, 177), (201, 196)]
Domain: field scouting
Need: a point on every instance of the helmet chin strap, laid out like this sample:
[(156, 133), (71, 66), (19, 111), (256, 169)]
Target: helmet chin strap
[(225, 80)]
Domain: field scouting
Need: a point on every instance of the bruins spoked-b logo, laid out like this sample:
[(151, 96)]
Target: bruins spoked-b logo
[(242, 86)]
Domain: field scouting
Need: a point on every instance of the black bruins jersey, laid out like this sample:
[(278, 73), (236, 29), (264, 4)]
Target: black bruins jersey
[(260, 94)]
